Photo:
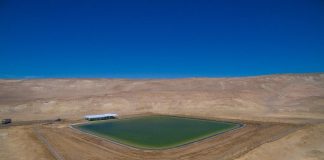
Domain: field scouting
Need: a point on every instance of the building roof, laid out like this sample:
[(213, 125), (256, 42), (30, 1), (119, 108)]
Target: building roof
[(101, 115)]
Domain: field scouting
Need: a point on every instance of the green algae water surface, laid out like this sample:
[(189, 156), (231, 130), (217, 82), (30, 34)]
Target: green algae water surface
[(157, 131)]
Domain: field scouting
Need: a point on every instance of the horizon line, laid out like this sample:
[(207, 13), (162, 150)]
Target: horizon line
[(156, 77)]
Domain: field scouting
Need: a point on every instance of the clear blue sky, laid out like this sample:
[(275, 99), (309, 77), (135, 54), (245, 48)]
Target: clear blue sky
[(160, 38)]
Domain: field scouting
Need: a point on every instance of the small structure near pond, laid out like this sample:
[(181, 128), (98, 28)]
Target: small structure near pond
[(6, 121), (101, 116)]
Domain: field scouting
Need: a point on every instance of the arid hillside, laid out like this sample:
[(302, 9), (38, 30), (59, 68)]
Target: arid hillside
[(274, 97)]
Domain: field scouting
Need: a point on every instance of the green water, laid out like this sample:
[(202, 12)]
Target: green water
[(156, 132)]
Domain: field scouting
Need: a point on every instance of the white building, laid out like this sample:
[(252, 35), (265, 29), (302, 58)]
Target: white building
[(101, 116)]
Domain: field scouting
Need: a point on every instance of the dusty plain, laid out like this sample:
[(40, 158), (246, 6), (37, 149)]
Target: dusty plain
[(284, 116)]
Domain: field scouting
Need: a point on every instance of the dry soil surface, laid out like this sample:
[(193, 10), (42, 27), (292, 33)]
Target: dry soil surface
[(290, 109)]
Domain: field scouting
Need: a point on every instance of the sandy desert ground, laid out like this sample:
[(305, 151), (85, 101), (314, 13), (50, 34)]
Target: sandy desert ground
[(284, 116)]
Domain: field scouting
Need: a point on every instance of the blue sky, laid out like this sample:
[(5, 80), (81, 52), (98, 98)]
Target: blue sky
[(160, 38)]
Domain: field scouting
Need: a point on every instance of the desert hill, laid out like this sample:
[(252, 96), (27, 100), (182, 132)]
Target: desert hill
[(292, 96)]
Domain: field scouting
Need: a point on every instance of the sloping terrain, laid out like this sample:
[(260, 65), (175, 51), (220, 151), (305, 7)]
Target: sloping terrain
[(306, 144), (277, 96)]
